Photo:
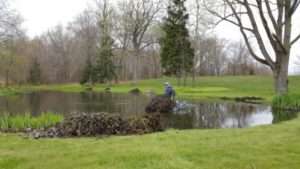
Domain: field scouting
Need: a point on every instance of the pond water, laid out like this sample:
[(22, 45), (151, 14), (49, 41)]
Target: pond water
[(194, 115)]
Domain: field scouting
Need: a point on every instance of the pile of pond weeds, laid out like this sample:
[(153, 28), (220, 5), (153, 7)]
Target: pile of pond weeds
[(246, 99), (100, 124), (135, 91), (161, 104)]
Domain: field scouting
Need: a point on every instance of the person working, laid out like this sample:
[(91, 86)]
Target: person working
[(169, 90)]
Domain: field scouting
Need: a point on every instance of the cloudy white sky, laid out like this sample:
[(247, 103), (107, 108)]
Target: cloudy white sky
[(40, 15)]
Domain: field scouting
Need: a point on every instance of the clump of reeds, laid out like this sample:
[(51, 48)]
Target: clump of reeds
[(18, 123), (10, 91), (287, 101)]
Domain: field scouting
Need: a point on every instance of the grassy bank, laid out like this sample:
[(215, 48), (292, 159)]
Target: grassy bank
[(22, 122), (206, 87), (275, 147), (10, 90)]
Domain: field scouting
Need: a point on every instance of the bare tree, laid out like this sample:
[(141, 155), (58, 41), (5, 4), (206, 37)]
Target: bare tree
[(13, 62), (201, 25), (104, 12), (9, 20), (211, 56), (58, 42), (138, 16), (240, 62), (85, 36), (269, 22)]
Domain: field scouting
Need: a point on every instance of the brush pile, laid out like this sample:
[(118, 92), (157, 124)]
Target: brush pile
[(160, 104), (135, 91), (247, 99), (100, 124), (90, 125)]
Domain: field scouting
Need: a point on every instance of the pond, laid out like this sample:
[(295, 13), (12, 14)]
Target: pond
[(191, 115)]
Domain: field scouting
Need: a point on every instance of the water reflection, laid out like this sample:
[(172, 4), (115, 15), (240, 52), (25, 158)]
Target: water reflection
[(216, 115), (66, 103), (280, 115), (194, 114)]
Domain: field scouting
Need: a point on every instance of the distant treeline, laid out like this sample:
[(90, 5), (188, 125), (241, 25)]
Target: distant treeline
[(120, 39)]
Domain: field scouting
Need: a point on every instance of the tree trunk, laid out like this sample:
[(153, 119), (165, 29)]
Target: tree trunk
[(184, 79), (281, 76), (178, 80), (6, 77), (194, 75), (136, 66), (91, 83)]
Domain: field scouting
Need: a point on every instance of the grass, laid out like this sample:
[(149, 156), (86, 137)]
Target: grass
[(289, 101), (275, 147), (10, 90), (207, 88), (21, 122)]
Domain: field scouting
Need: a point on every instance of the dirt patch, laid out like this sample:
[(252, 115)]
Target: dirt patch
[(161, 104)]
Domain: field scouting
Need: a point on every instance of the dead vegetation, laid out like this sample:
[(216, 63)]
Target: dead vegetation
[(101, 124), (161, 104)]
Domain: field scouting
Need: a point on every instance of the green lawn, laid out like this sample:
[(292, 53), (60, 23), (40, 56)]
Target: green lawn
[(206, 87), (264, 147)]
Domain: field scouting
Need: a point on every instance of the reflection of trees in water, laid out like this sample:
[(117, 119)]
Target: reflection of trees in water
[(197, 115), (113, 103), (216, 115), (8, 103), (239, 115), (35, 100), (281, 115), (208, 116), (183, 121), (66, 103)]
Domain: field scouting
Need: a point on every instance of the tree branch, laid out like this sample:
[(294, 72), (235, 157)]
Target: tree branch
[(270, 14), (225, 18), (294, 7), (295, 40), (258, 36), (265, 24), (246, 38), (279, 43), (148, 44)]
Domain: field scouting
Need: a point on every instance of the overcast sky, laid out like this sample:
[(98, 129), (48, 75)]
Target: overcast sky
[(40, 15)]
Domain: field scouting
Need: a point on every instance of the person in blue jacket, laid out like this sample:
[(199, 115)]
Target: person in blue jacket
[(169, 90)]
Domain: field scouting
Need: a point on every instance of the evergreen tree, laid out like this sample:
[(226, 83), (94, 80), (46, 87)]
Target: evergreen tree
[(177, 55), (86, 74), (104, 70), (35, 72)]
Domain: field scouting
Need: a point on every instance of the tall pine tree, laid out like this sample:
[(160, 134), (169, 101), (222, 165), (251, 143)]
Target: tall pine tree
[(177, 55), (104, 70), (87, 72)]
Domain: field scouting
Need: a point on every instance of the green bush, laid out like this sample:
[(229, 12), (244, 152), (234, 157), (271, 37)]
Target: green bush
[(21, 122), (286, 101)]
